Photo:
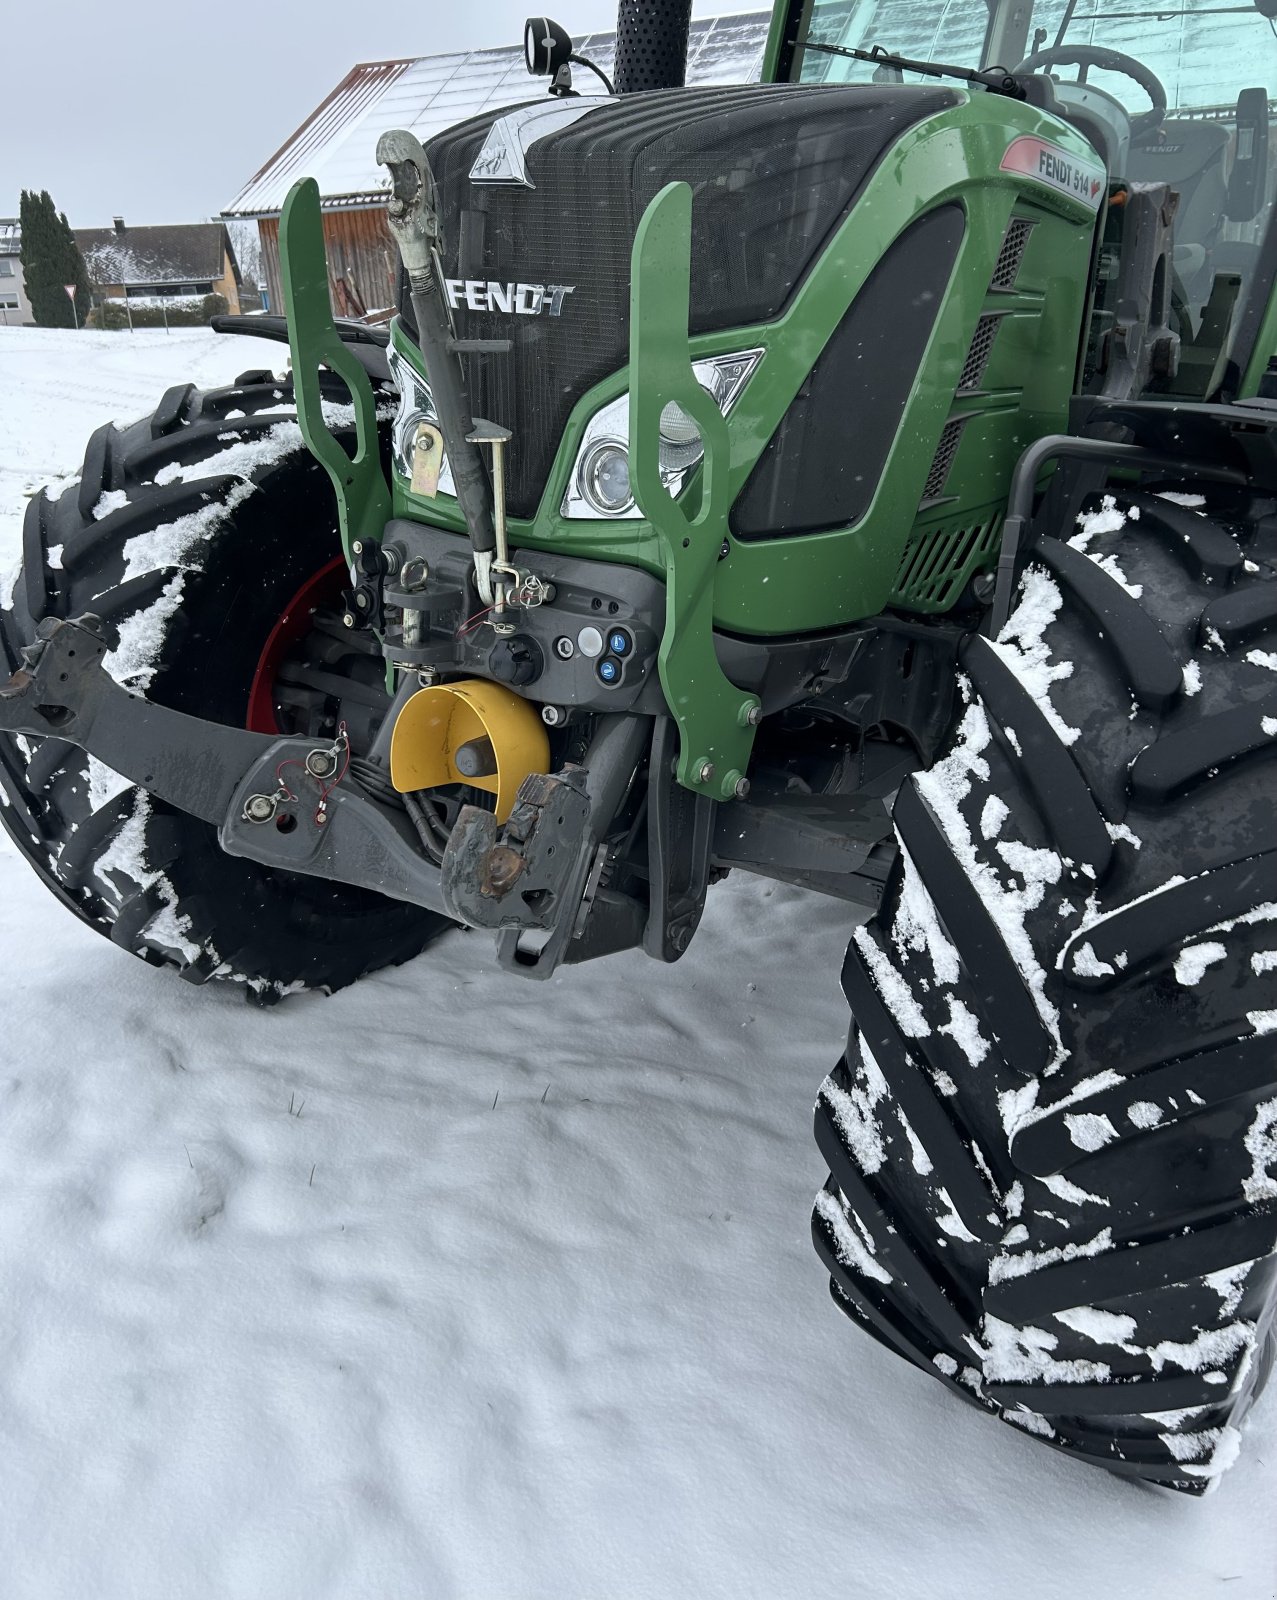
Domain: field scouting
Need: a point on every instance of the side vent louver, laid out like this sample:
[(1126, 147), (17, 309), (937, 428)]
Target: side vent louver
[(1005, 271), (943, 459), (978, 356), (935, 568), (1012, 253)]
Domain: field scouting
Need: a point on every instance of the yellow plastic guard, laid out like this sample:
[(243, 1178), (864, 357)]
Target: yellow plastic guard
[(436, 721)]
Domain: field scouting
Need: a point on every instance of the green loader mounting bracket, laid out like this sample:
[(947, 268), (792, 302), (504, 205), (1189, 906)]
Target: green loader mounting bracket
[(363, 496), (715, 719)]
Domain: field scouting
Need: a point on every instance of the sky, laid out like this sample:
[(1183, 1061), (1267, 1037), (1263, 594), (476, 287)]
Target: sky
[(163, 116)]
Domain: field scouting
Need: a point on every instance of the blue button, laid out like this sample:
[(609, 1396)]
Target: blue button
[(618, 643), (609, 671)]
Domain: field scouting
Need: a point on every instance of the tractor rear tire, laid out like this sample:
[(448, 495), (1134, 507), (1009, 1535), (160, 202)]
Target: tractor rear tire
[(1052, 1140), (190, 533)]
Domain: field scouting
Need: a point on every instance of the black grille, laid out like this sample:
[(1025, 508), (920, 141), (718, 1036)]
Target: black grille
[(943, 459), (986, 331), (1011, 253), (773, 170)]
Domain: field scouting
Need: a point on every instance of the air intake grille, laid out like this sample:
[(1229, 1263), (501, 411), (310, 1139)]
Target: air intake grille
[(986, 331), (1012, 253), (937, 566), (943, 459)]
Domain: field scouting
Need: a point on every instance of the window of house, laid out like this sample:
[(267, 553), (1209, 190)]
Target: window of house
[(8, 302), (152, 291), (6, 266)]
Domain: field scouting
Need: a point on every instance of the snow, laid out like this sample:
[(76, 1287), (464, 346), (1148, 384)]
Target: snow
[(1095, 524), (1023, 648), (917, 926), (408, 1343), (1263, 658), (1108, 519), (1193, 962), (963, 1027), (950, 1222), (176, 543), (1088, 965), (1229, 1284), (1028, 1261), (1062, 1189), (1211, 1348), (895, 992), (1103, 1327), (133, 661), (855, 1112), (1192, 678), (946, 786), (1089, 1130), (1261, 1146), (1144, 1113), (1023, 1355), (995, 813), (853, 1250)]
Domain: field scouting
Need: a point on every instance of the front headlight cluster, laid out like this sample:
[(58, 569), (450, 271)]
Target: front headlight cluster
[(600, 482), (416, 405)]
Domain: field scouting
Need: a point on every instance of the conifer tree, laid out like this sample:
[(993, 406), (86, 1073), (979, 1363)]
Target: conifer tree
[(50, 260)]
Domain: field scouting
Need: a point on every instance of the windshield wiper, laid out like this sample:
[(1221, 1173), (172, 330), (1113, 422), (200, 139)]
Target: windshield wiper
[(997, 79)]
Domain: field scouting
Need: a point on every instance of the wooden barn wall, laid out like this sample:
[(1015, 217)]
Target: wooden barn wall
[(363, 261)]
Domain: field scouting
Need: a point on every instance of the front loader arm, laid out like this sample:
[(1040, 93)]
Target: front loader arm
[(715, 719)]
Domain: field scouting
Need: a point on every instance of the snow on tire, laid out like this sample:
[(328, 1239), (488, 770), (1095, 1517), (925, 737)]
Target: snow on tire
[(188, 533), (1052, 1141)]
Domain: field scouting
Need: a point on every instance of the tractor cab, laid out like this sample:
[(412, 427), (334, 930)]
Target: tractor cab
[(1176, 104)]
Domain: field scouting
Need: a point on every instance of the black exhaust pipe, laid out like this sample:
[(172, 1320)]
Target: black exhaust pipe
[(651, 45)]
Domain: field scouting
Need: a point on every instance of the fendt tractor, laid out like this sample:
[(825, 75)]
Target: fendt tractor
[(864, 478)]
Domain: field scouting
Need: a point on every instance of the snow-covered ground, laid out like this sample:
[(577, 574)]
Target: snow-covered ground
[(460, 1286)]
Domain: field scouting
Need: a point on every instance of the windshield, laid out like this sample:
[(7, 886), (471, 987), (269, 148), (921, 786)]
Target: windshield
[(1203, 52)]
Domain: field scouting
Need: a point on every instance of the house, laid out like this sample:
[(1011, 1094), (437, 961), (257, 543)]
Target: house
[(337, 143), (183, 260), (15, 308)]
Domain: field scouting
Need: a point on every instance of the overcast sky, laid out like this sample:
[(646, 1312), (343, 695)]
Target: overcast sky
[(161, 114)]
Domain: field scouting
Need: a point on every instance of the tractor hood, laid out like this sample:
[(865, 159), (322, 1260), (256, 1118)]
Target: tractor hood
[(540, 205)]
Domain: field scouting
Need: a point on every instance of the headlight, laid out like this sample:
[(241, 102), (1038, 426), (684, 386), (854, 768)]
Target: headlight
[(605, 478), (600, 481), (416, 405)]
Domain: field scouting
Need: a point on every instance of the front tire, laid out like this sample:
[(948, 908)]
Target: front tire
[(190, 533), (1052, 1141)]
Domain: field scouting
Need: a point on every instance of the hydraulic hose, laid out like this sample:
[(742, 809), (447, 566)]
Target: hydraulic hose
[(414, 221)]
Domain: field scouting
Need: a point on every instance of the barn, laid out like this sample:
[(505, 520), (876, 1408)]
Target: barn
[(336, 145)]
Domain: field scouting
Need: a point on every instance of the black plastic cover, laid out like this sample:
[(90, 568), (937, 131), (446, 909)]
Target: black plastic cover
[(821, 467), (773, 170)]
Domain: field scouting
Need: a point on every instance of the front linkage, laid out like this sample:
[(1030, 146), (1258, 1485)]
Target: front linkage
[(308, 807)]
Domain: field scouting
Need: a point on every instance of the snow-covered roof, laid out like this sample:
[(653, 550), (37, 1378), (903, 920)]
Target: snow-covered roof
[(182, 252), (337, 143)]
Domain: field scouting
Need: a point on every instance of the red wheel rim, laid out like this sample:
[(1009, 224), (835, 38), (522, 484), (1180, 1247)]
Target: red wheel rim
[(322, 588)]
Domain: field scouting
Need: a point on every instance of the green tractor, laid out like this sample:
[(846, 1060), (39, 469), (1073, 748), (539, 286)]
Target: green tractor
[(864, 479)]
